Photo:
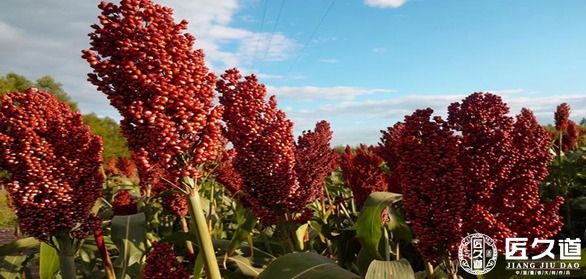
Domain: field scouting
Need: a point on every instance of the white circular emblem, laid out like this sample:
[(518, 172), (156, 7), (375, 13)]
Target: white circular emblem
[(477, 254)]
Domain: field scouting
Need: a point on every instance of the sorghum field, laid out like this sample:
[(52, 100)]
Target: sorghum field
[(223, 189)]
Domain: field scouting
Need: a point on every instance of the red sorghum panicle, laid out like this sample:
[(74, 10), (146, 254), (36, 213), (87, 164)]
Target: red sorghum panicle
[(127, 167), (562, 117), (176, 204), (431, 182), (389, 140), (503, 162), (566, 128), (571, 137), (111, 168), (263, 139), (145, 64), (386, 150), (124, 203), (54, 162), (519, 208), (226, 174), (362, 172), (498, 162), (486, 143), (278, 176), (316, 160), (161, 263)]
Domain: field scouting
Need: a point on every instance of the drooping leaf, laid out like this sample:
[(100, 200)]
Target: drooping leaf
[(390, 269), (129, 235), (18, 246), (11, 266), (397, 225), (245, 266), (305, 266), (369, 225), (49, 262)]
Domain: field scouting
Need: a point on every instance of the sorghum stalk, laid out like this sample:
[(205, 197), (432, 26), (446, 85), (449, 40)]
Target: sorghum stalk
[(188, 244), (200, 228), (211, 207), (178, 205), (66, 253)]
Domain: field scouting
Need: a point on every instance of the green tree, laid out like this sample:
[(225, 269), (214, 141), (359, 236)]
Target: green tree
[(109, 130), (13, 82)]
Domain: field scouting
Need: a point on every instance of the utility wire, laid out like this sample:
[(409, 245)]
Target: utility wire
[(268, 48), (262, 24), (328, 9)]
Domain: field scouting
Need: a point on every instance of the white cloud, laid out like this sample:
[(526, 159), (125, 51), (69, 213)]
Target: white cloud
[(256, 47), (397, 107), (51, 38), (329, 60), (359, 121), (8, 33), (265, 76), (308, 93), (210, 21), (385, 3)]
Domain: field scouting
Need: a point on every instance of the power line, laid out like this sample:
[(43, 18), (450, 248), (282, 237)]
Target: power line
[(262, 24), (328, 9), (268, 48)]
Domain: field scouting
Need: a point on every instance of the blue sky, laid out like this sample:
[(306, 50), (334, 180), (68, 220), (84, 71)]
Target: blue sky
[(368, 64)]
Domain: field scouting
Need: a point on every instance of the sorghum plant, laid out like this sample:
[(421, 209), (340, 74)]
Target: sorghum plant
[(482, 160), (175, 204), (279, 177), (563, 179), (127, 167), (226, 174), (431, 182), (568, 132), (390, 138), (54, 165), (145, 64), (503, 162), (361, 169), (265, 149), (161, 263), (124, 203), (315, 161)]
